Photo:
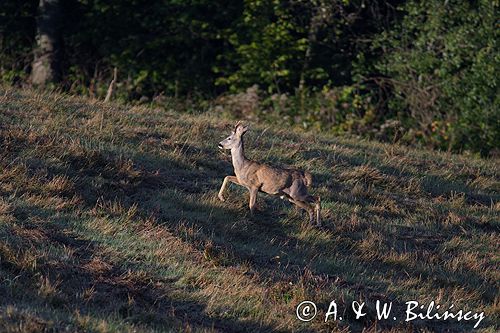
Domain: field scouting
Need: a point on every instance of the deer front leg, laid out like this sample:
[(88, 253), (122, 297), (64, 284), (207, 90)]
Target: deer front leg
[(224, 184), (317, 207), (253, 198)]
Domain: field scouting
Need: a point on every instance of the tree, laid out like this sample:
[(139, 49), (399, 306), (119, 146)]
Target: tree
[(46, 63), (442, 61)]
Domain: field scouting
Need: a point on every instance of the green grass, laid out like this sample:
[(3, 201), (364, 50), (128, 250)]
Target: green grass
[(110, 222)]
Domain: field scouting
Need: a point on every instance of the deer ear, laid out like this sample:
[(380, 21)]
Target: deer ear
[(240, 128), (238, 124)]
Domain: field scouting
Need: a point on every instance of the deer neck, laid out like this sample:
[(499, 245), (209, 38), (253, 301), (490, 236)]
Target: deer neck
[(238, 157)]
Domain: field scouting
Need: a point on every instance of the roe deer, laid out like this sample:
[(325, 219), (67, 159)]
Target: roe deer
[(287, 183)]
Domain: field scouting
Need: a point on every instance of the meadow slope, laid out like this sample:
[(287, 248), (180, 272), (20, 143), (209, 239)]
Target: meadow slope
[(110, 222)]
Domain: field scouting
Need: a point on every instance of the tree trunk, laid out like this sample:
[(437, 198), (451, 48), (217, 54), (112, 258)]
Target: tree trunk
[(46, 62)]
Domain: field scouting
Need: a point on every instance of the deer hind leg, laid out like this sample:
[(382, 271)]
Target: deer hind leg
[(312, 204), (317, 209), (306, 206), (298, 209), (315, 202), (227, 179)]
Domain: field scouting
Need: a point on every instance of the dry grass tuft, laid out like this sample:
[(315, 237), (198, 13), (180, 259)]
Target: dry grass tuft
[(14, 321), (5, 207), (60, 184), (48, 289)]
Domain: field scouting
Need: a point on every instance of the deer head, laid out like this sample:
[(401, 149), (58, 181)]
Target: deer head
[(234, 140)]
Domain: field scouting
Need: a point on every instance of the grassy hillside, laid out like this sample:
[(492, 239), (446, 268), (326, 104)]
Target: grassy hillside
[(109, 221)]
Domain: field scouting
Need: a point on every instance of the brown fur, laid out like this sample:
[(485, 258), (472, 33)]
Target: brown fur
[(258, 177)]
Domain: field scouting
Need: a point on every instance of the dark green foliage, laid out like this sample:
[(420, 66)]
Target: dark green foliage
[(442, 62), (17, 31), (167, 46)]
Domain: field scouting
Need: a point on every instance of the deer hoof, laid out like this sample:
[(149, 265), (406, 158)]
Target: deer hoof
[(221, 198)]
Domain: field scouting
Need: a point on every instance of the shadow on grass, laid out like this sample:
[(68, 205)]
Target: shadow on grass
[(434, 185), (87, 282)]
